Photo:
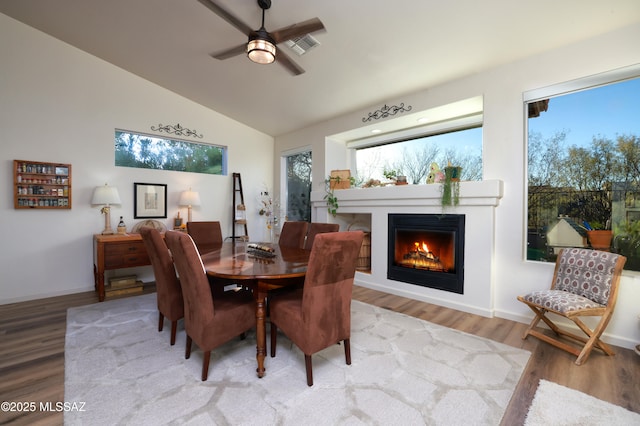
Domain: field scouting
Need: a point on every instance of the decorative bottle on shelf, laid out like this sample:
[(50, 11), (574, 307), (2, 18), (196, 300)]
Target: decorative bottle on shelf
[(122, 228)]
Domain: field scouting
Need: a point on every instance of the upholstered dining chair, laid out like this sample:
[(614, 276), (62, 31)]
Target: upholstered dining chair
[(293, 234), (585, 284), (319, 315), (208, 321), (316, 228), (207, 235), (169, 293)]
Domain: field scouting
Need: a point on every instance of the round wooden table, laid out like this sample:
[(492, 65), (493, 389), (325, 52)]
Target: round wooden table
[(235, 262)]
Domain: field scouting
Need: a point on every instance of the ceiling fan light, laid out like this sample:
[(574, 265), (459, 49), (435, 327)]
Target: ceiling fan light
[(261, 50)]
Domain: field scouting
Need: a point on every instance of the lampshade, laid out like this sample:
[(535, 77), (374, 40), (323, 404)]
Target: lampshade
[(261, 48), (189, 198), (105, 195)]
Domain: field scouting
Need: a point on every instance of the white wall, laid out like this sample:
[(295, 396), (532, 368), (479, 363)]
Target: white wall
[(60, 104), (504, 158)]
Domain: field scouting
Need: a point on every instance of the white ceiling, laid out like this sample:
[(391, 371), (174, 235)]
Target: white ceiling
[(371, 51)]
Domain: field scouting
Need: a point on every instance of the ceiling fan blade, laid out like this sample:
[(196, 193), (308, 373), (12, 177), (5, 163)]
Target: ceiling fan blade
[(230, 53), (224, 14), (297, 30), (284, 60)]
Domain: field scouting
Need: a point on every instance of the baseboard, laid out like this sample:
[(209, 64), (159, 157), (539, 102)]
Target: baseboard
[(424, 298), (30, 297)]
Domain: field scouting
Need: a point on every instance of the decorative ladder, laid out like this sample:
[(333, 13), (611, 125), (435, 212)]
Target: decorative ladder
[(238, 210)]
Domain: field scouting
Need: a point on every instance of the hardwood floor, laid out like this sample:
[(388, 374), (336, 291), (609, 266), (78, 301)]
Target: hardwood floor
[(33, 333)]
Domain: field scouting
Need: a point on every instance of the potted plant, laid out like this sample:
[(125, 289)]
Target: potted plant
[(395, 177), (330, 197), (336, 182), (599, 237), (451, 186)]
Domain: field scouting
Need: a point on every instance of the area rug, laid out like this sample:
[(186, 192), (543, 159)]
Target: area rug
[(556, 405), (404, 371)]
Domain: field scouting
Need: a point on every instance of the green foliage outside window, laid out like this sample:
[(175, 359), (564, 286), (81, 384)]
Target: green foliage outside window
[(150, 152), (299, 186), (584, 171)]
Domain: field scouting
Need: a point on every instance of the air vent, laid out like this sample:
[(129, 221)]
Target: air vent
[(302, 45)]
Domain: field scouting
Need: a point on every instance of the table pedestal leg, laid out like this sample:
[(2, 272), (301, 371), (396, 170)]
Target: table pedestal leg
[(261, 332)]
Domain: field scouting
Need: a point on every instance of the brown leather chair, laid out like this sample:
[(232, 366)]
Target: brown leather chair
[(293, 234), (206, 235), (169, 293), (585, 284), (319, 315), (316, 228), (208, 321)]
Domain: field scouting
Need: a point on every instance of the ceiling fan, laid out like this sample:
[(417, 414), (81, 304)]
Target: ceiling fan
[(261, 47)]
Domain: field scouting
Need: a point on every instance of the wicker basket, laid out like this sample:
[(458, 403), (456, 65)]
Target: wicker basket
[(363, 263)]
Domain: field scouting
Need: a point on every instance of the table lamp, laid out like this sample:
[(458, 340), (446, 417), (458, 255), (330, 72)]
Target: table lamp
[(105, 195), (189, 199)]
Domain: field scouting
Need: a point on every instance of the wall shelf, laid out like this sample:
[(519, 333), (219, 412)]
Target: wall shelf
[(41, 185)]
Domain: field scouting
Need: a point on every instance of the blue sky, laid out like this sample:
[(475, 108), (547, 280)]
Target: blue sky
[(604, 111)]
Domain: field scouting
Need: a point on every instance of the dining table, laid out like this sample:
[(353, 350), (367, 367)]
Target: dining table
[(260, 267)]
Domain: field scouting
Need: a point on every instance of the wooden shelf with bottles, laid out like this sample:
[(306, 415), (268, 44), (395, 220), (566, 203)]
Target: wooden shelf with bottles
[(40, 185)]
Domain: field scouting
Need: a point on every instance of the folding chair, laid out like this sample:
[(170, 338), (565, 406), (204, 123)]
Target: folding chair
[(585, 283)]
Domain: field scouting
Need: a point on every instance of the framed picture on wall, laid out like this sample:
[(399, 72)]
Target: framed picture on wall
[(149, 200)]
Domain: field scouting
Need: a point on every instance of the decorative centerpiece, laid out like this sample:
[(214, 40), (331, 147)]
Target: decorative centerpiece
[(260, 250)]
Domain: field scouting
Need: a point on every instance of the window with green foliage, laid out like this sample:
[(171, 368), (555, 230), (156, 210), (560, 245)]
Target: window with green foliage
[(151, 152), (298, 168), (584, 169)]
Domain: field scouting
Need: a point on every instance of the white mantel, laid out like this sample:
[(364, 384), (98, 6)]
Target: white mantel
[(369, 208)]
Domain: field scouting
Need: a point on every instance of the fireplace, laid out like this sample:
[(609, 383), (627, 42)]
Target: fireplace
[(427, 250)]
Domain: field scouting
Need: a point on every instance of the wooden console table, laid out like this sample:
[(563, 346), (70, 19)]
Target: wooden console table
[(116, 252)]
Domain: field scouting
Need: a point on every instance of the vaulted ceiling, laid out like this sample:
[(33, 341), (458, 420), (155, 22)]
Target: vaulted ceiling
[(371, 51)]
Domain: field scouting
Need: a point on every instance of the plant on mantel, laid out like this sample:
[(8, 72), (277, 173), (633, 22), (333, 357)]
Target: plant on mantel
[(330, 197), (394, 176), (451, 186), (390, 174)]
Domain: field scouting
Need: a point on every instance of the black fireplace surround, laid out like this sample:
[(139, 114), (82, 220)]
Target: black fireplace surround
[(427, 250)]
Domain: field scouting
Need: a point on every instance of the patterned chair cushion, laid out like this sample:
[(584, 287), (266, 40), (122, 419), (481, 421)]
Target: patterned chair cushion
[(560, 301), (586, 273)]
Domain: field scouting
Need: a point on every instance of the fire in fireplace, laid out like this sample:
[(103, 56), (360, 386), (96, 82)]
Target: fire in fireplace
[(427, 250)]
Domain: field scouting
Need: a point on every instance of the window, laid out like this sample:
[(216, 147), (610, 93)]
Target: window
[(298, 186), (413, 157), (151, 152), (584, 168)]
